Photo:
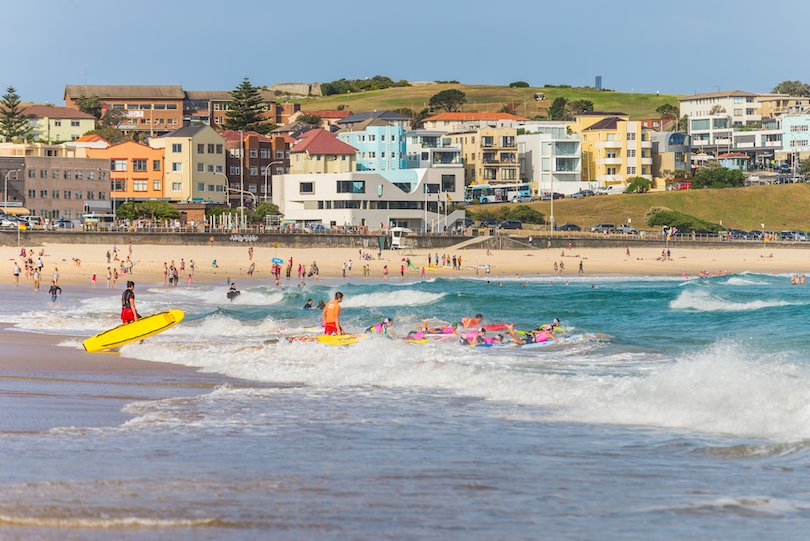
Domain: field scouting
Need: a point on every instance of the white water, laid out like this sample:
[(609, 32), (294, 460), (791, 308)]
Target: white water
[(703, 301)]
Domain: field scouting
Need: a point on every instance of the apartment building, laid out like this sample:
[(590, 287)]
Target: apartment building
[(394, 118), (251, 161), (671, 151), (380, 144), (320, 152), (413, 198), (430, 148), (57, 187), (462, 122), (210, 107), (57, 124), (152, 109), (741, 107), (795, 138), (551, 158), (614, 148), (194, 164), (776, 105), (136, 171), (490, 155)]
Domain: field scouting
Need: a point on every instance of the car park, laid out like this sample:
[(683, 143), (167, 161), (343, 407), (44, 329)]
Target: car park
[(568, 227), (603, 228), (582, 193), (510, 224)]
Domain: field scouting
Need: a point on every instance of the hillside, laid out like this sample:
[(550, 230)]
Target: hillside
[(779, 207), (492, 98)]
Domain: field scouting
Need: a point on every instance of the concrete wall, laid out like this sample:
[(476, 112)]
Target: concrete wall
[(298, 89)]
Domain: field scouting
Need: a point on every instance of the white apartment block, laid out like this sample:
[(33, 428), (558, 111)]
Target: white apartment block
[(551, 158), (742, 107), (429, 148)]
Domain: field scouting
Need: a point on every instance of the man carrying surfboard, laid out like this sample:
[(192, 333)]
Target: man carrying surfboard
[(331, 315), (128, 311)]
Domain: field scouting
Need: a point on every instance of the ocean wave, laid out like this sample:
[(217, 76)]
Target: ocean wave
[(740, 281), (702, 301), (109, 522), (407, 297)]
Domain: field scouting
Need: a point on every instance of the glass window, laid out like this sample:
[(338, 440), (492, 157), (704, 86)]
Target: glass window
[(177, 147), (219, 149), (177, 167), (210, 148), (139, 165), (177, 186), (156, 185), (306, 187), (156, 165), (139, 185), (351, 186), (201, 168), (201, 186)]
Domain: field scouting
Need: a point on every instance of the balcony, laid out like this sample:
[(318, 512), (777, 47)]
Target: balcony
[(646, 144), (609, 161), (646, 161), (609, 179), (608, 144)]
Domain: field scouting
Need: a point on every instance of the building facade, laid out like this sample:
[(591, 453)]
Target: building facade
[(392, 117), (194, 164), (57, 124), (741, 107), (136, 171), (251, 161), (430, 148), (462, 122), (795, 138), (551, 159), (380, 144), (672, 153), (320, 152), (490, 155)]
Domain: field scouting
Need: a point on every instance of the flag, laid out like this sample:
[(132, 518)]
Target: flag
[(23, 227), (448, 196)]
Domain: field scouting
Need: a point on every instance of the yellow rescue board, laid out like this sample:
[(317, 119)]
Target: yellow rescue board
[(132, 332), (330, 339)]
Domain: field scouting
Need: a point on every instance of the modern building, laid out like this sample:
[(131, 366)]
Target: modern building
[(57, 187), (741, 107), (490, 155), (672, 153), (776, 105), (58, 124), (418, 199), (551, 159), (711, 132), (320, 152), (251, 161), (461, 122), (760, 144), (136, 171), (194, 164), (795, 138), (380, 144), (430, 148), (614, 148), (394, 118)]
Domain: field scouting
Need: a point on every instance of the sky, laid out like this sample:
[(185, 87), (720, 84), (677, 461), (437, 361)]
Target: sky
[(678, 47)]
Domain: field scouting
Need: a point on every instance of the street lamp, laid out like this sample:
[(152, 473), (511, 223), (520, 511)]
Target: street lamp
[(241, 193), (266, 169), (5, 184)]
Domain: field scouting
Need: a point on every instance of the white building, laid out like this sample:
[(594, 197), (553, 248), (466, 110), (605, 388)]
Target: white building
[(370, 199), (551, 157), (428, 148), (742, 107)]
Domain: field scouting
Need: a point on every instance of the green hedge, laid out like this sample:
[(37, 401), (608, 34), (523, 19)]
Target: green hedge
[(661, 216)]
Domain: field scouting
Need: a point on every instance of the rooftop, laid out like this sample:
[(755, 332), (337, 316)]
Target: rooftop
[(329, 114), (365, 124), (472, 116), (186, 131), (165, 92), (233, 135), (49, 111), (320, 141), (608, 123), (723, 94), (385, 115)]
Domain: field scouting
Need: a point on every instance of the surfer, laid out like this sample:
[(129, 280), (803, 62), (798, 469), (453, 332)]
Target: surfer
[(331, 315), (321, 304), (308, 304), (232, 292), (384, 327), (54, 291), (471, 322), (128, 311), (544, 333)]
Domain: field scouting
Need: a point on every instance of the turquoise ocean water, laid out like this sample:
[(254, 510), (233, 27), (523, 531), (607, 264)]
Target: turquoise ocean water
[(679, 410)]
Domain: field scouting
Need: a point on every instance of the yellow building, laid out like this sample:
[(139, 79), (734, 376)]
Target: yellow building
[(58, 124), (490, 155), (614, 148), (194, 161), (320, 152)]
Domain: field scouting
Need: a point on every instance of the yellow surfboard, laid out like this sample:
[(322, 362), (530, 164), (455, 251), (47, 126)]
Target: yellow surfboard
[(330, 339), (132, 332)]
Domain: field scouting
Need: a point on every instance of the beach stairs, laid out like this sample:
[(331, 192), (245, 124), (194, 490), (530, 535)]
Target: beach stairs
[(493, 242)]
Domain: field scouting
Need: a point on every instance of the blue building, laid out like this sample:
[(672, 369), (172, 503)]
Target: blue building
[(380, 144)]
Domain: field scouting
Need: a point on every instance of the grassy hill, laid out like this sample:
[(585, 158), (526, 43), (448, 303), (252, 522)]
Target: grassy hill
[(492, 98), (779, 207)]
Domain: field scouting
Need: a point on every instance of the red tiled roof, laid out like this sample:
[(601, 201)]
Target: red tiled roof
[(734, 155), (233, 135), (49, 111), (329, 114), (321, 142), (91, 139), (475, 116)]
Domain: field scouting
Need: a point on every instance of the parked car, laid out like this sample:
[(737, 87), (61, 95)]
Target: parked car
[(582, 193), (603, 228), (522, 199), (33, 221), (626, 229), (606, 190), (488, 222), (682, 186), (468, 222), (9, 221), (548, 196), (784, 168), (510, 224), (63, 223), (568, 227)]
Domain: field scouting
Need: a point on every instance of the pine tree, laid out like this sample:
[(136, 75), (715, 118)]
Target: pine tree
[(13, 125), (246, 110)]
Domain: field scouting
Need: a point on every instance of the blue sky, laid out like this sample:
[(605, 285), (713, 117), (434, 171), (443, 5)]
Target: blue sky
[(642, 45)]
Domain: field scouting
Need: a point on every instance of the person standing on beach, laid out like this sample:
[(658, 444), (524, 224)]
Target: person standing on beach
[(331, 315), (93, 280), (581, 269), (36, 280), (385, 272), (128, 311), (16, 273), (54, 291)]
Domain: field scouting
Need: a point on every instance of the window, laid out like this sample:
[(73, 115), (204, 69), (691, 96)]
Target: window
[(253, 153), (177, 147), (156, 165), (118, 165), (372, 138), (448, 183), (66, 194), (119, 185), (210, 168), (631, 153), (235, 152), (177, 167), (738, 112), (749, 111), (177, 186), (78, 174), (32, 194), (631, 170), (139, 165), (139, 185), (279, 154), (306, 187), (264, 153), (201, 186), (212, 188), (55, 194), (509, 174), (67, 174), (156, 185), (351, 186), (631, 136), (91, 175), (233, 170), (201, 168), (74, 123), (102, 196), (252, 188), (78, 194), (254, 171), (172, 106), (57, 122), (55, 173), (210, 148), (218, 168), (219, 149), (43, 193), (372, 155)]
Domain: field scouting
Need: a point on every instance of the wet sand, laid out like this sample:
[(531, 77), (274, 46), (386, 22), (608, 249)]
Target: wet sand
[(44, 386)]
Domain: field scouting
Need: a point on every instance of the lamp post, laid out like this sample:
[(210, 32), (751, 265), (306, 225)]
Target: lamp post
[(266, 170), (5, 185)]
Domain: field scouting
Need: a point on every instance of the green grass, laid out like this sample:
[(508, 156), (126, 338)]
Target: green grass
[(779, 207), (491, 98)]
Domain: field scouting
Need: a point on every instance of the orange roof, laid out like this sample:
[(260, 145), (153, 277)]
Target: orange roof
[(734, 155), (322, 142), (475, 116), (91, 139)]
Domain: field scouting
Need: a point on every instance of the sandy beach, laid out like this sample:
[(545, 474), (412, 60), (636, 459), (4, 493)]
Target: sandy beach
[(76, 264)]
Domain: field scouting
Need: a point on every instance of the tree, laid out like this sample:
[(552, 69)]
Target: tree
[(155, 210), (577, 107), (315, 120), (13, 125), (804, 166), (667, 110), (683, 124), (557, 109), (663, 216), (263, 209), (92, 105), (112, 118), (713, 175), (509, 108), (638, 185), (792, 88), (246, 110), (450, 100), (716, 110), (519, 84), (110, 134), (417, 119)]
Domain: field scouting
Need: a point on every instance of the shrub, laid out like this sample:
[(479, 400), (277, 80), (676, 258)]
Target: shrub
[(519, 84), (638, 185), (661, 216)]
